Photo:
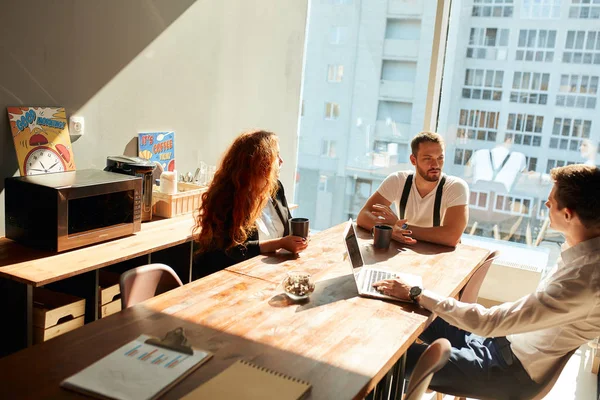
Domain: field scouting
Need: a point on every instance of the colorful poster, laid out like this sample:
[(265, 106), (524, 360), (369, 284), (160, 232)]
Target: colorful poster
[(159, 147), (41, 137)]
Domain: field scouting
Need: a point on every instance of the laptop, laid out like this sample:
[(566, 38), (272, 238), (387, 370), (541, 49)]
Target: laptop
[(364, 275)]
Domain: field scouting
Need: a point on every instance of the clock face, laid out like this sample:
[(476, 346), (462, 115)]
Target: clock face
[(43, 160)]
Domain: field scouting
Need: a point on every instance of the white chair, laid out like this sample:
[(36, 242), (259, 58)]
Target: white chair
[(142, 283), (431, 361)]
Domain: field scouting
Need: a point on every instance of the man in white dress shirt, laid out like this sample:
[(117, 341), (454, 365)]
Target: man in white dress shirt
[(430, 206), (506, 351)]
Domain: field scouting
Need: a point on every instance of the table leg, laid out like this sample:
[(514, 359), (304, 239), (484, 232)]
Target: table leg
[(17, 313), (398, 381)]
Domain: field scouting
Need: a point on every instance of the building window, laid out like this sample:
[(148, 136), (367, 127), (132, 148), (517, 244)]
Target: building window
[(525, 129), (335, 73), (328, 148), (478, 199), (492, 8), (531, 163), (585, 9), (577, 91), (582, 47), (337, 35), (540, 9), (478, 125), (488, 43), (462, 156), (536, 45), (483, 84), (568, 133), (322, 183), (557, 163), (530, 87), (513, 205), (332, 110)]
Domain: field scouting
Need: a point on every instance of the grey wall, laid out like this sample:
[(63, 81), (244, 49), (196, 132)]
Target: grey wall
[(206, 69)]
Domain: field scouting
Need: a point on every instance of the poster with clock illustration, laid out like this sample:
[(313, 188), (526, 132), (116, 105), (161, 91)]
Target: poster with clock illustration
[(41, 137)]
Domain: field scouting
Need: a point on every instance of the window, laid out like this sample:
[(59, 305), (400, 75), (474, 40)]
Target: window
[(332, 110), (557, 163), (337, 35), (488, 43), (577, 91), (531, 163), (335, 73), (536, 45), (567, 133), (582, 47), (478, 125), (478, 199), (525, 129), (462, 156), (322, 183), (328, 148), (513, 205), (585, 9), (492, 8), (540, 9), (483, 84), (530, 87)]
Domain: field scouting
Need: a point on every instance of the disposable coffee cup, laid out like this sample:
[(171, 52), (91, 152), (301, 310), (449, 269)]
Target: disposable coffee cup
[(382, 236), (299, 227)]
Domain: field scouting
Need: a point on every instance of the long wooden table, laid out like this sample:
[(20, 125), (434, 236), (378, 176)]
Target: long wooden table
[(341, 343), (76, 272)]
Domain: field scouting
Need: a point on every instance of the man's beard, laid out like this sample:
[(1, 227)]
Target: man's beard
[(423, 174)]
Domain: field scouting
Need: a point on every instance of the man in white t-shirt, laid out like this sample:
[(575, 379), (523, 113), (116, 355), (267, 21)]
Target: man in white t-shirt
[(432, 206)]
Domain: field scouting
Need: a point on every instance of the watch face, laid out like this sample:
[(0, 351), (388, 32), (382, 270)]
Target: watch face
[(43, 160), (414, 292)]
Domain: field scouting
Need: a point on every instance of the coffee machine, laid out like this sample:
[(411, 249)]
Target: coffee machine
[(137, 167)]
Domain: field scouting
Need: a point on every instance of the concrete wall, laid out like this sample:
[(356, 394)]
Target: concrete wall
[(204, 69)]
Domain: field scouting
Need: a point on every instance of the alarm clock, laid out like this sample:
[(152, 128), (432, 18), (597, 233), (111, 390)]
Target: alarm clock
[(43, 160)]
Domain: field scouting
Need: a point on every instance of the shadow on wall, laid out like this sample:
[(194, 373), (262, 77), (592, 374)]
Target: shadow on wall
[(63, 53)]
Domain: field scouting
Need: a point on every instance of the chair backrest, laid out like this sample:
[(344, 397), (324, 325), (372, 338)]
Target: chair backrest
[(551, 378), (432, 360), (141, 283), (470, 292)]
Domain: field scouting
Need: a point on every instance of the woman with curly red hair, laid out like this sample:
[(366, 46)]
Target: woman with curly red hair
[(244, 211)]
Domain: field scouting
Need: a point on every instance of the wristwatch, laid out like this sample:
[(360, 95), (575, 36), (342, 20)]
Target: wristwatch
[(414, 293)]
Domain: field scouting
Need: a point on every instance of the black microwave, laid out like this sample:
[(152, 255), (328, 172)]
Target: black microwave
[(66, 210)]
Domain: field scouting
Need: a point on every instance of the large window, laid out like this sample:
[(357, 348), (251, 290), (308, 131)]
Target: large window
[(512, 85)]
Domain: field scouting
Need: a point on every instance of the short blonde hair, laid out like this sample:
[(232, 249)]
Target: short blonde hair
[(423, 137)]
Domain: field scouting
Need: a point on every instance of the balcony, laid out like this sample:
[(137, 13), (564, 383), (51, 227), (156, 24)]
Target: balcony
[(396, 132), (405, 8), (396, 90), (399, 49)]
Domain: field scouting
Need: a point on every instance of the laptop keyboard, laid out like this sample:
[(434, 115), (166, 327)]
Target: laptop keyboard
[(374, 276)]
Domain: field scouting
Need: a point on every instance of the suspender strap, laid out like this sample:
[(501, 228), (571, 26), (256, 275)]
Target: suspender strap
[(438, 202), (495, 171), (405, 193)]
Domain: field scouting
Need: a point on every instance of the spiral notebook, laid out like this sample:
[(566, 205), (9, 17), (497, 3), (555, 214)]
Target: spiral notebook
[(246, 381)]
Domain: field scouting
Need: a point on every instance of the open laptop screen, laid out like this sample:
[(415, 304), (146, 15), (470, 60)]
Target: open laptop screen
[(352, 246)]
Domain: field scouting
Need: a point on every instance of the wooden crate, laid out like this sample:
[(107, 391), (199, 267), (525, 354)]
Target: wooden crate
[(55, 313), (109, 293), (185, 201)]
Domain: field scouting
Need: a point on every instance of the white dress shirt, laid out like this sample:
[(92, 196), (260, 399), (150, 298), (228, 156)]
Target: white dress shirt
[(269, 224), (542, 327)]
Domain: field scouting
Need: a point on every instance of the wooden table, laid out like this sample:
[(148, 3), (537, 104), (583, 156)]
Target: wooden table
[(76, 272), (341, 343)]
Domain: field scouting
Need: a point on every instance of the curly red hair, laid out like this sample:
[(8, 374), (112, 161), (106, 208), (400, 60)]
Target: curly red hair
[(245, 180)]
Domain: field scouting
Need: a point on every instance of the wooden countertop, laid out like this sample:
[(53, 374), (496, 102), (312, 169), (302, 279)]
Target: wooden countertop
[(38, 268)]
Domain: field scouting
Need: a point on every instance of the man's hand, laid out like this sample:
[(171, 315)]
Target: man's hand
[(394, 287), (384, 214), (402, 235)]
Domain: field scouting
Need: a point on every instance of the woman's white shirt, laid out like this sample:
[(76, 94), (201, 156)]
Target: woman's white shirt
[(269, 224)]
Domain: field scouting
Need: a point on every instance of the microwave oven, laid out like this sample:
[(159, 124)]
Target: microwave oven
[(66, 210)]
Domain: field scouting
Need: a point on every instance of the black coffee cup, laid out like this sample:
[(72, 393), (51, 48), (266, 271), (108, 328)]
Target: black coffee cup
[(382, 236), (299, 227)]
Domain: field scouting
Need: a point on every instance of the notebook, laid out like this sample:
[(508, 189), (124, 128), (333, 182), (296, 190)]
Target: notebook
[(246, 381), (136, 371)]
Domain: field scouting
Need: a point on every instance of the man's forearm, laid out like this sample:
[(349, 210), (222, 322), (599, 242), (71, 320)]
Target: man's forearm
[(445, 235), (366, 219)]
